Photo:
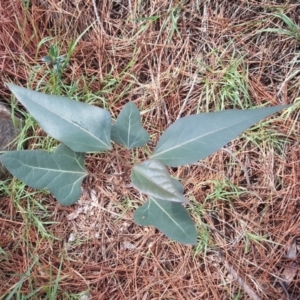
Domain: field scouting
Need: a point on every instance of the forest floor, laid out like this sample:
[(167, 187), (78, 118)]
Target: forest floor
[(171, 58)]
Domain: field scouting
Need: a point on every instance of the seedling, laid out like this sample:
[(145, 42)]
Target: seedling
[(55, 60), (82, 128)]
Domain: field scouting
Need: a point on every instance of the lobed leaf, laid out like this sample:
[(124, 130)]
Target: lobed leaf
[(80, 126), (152, 178), (61, 172), (128, 129), (171, 218), (195, 137)]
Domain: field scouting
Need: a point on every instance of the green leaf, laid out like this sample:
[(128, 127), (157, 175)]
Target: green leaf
[(128, 129), (152, 178), (47, 59), (195, 137), (178, 185), (169, 217), (53, 51), (80, 126), (61, 172)]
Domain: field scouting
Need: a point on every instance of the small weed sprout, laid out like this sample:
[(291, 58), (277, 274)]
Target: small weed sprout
[(58, 62)]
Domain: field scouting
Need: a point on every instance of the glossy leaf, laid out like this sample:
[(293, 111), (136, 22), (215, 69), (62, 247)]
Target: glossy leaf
[(80, 126), (152, 178), (171, 218), (195, 137), (61, 172), (128, 129)]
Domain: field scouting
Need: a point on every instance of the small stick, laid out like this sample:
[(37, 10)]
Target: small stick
[(96, 12), (98, 17), (247, 289), (241, 164), (187, 97)]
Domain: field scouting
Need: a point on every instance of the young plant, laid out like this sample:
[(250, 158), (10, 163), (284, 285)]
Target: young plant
[(83, 128), (55, 60)]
